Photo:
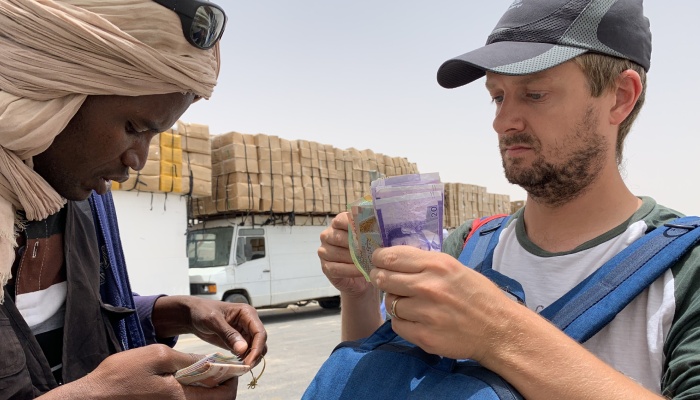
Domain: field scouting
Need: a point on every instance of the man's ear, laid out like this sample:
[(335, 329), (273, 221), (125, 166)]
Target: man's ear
[(628, 88)]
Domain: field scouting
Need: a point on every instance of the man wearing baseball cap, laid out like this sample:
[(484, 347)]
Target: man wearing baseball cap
[(567, 79)]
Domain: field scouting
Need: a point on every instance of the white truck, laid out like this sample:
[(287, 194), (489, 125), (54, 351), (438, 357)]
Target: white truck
[(259, 260)]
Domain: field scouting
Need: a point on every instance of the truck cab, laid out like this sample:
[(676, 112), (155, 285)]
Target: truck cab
[(264, 266)]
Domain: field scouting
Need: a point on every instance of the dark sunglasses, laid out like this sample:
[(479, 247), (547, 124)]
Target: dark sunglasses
[(203, 22)]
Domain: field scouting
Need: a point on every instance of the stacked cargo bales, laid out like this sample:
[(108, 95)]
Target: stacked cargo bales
[(330, 181), (311, 177), (196, 159), (289, 176), (292, 187), (237, 172), (269, 153), (464, 202), (449, 204), (242, 173), (497, 204), (179, 161), (170, 162), (516, 205), (235, 168)]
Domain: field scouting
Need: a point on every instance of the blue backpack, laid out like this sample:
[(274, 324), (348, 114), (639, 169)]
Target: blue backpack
[(385, 366)]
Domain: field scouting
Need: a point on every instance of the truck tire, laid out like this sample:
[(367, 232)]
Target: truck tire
[(330, 303), (236, 298)]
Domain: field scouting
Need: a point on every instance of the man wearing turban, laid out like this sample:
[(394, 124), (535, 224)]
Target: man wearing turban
[(84, 86)]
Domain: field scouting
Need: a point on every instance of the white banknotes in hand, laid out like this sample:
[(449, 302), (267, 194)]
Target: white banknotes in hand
[(212, 370)]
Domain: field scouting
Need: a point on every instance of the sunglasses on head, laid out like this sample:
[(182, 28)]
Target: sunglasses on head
[(203, 22)]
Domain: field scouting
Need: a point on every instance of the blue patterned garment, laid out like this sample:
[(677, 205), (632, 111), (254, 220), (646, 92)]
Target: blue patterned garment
[(115, 289)]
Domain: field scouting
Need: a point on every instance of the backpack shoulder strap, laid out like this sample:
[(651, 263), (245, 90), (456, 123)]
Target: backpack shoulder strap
[(479, 222), (477, 253), (592, 304), (486, 230)]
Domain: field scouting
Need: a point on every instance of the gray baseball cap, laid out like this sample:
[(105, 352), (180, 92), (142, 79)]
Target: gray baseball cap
[(534, 35)]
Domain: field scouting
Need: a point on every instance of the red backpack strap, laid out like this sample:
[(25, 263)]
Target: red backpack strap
[(478, 222)]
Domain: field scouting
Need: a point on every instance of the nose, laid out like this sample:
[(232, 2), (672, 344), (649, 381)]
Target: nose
[(136, 155), (509, 117)]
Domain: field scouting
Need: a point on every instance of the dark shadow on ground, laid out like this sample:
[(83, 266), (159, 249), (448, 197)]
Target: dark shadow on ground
[(295, 313)]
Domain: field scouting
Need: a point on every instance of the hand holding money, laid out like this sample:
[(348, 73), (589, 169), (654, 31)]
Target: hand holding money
[(212, 370), (363, 234), (402, 210)]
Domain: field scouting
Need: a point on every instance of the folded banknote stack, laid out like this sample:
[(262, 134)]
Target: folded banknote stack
[(212, 370), (401, 210)]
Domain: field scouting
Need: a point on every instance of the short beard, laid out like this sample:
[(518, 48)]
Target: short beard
[(555, 184)]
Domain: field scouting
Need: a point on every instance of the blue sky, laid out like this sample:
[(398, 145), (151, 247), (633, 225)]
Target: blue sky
[(362, 74)]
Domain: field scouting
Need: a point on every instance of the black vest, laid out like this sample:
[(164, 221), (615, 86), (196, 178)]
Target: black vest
[(88, 334)]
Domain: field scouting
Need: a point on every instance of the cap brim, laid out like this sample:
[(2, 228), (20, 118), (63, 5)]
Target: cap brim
[(508, 58)]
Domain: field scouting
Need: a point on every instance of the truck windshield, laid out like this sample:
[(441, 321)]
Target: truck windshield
[(209, 247)]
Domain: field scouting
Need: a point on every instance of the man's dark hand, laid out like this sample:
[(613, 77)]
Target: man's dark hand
[(232, 326)]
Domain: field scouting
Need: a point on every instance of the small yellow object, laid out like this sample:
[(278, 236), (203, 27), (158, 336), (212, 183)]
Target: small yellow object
[(254, 382)]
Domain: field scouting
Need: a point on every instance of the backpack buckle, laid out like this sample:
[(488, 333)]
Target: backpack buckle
[(680, 226), (486, 231)]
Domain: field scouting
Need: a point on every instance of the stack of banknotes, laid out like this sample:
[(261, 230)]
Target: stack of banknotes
[(212, 370), (401, 210)]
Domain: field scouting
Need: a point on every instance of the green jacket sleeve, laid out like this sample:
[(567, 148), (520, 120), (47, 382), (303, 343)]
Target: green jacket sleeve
[(455, 241), (681, 378)]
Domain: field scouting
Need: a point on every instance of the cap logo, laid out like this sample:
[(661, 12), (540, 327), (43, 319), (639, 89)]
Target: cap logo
[(516, 4)]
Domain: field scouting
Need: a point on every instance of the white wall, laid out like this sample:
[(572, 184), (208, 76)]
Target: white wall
[(153, 230)]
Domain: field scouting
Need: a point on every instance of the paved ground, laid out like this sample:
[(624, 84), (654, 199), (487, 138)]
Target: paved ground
[(299, 341)]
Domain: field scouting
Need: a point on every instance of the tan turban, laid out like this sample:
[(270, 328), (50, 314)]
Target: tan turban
[(55, 53)]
